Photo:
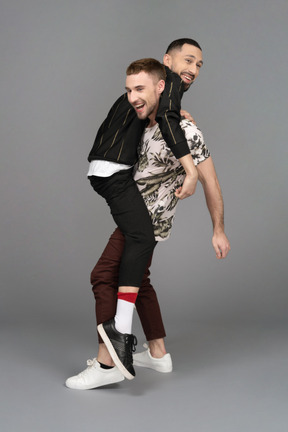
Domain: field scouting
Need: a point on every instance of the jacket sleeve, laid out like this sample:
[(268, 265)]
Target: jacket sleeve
[(168, 115)]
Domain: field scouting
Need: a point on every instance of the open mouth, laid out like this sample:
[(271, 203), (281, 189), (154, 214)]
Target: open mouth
[(139, 107), (187, 78)]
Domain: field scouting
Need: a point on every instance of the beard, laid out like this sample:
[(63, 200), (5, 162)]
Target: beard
[(186, 87)]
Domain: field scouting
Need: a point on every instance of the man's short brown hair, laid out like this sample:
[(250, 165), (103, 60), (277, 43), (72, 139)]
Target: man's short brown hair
[(148, 65)]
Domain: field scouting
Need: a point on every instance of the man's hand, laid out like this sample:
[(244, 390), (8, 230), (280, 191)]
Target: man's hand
[(187, 116), (221, 245), (188, 188)]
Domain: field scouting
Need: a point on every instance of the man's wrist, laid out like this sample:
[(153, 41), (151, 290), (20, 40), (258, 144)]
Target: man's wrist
[(218, 230)]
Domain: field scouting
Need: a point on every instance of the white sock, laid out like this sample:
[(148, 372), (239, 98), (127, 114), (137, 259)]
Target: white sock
[(124, 316)]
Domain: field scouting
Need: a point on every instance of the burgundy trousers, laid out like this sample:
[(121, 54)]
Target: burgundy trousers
[(104, 279)]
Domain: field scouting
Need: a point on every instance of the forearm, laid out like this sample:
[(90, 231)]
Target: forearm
[(214, 200), (212, 191), (188, 165), (190, 182), (214, 203)]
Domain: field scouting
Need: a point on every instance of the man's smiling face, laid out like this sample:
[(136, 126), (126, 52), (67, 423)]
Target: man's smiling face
[(186, 62), (143, 91)]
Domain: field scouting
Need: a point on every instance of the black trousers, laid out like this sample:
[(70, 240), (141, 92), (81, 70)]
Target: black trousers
[(131, 216)]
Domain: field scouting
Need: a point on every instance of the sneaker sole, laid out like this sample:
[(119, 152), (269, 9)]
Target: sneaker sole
[(145, 365), (90, 387), (113, 353)]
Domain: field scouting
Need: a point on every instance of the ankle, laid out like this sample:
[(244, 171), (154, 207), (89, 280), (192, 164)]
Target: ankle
[(104, 356), (157, 348), (105, 362)]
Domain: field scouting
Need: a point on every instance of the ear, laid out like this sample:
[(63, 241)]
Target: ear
[(161, 86), (167, 60)]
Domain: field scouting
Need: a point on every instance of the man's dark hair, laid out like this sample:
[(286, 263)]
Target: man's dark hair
[(148, 65), (178, 43)]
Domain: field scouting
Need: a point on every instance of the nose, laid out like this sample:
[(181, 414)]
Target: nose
[(132, 97), (193, 69)]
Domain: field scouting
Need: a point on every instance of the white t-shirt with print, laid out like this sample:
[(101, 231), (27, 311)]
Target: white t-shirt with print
[(158, 174)]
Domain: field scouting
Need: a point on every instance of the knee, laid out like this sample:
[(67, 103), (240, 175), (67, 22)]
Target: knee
[(141, 241)]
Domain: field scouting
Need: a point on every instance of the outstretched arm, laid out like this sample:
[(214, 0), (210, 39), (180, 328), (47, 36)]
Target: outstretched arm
[(208, 178)]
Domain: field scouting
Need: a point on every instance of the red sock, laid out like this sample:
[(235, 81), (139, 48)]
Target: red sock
[(130, 297)]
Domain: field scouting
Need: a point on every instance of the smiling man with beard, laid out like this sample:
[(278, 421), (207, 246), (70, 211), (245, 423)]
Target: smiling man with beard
[(185, 62)]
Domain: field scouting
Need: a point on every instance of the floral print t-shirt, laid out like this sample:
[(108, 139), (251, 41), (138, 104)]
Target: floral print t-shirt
[(158, 174)]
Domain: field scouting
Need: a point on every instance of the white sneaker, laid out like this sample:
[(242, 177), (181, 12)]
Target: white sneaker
[(94, 376), (145, 359)]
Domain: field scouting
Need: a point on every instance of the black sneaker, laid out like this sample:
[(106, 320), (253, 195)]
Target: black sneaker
[(120, 347)]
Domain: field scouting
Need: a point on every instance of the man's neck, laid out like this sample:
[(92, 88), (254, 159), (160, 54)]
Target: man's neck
[(151, 123), (152, 120)]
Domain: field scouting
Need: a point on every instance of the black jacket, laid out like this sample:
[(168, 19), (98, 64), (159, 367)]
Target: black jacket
[(119, 135)]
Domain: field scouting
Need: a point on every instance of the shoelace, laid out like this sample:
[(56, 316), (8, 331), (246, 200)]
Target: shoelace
[(131, 342), (90, 363)]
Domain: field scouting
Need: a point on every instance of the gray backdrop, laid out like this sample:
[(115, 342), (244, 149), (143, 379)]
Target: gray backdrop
[(62, 66)]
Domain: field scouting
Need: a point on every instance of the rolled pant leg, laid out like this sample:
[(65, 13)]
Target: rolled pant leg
[(104, 279), (148, 309)]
